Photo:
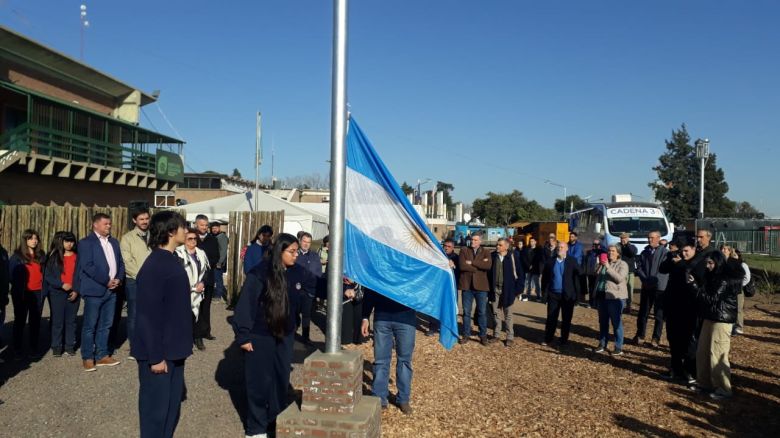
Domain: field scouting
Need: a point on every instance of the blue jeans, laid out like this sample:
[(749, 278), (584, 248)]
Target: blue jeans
[(385, 332), (219, 282), (611, 310), (481, 297), (532, 282), (131, 293), (98, 317)]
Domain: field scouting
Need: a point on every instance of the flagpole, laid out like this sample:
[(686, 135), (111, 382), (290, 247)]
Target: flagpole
[(338, 171), (258, 158)]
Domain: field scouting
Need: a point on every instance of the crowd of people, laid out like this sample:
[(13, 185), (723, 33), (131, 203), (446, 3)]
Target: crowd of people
[(169, 273), (692, 288)]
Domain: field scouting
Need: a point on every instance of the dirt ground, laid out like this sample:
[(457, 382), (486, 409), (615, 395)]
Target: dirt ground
[(475, 391)]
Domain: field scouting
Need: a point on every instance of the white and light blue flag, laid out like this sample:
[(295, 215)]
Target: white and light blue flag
[(387, 246)]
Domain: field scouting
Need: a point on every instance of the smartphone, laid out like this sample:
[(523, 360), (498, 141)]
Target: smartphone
[(602, 257)]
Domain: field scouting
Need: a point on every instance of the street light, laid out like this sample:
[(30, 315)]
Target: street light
[(702, 153), (564, 194)]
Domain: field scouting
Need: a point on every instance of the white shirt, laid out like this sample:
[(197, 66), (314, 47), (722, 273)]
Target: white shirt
[(108, 251)]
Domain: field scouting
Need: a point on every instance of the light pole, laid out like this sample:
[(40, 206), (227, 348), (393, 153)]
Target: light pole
[(564, 194), (419, 188), (702, 153)]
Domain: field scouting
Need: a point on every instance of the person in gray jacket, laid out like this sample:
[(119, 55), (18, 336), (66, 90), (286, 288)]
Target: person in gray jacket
[(611, 295), (653, 286), (220, 293)]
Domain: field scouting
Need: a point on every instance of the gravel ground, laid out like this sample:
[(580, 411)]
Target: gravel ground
[(526, 390)]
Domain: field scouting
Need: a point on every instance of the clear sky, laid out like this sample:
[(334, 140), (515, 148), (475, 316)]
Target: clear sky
[(488, 95)]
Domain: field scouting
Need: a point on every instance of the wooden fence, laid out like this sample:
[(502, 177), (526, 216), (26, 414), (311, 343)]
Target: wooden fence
[(14, 219), (242, 227)]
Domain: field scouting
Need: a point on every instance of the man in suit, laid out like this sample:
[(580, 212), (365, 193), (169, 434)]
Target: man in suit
[(99, 272), (210, 245), (506, 282), (561, 285), (474, 264), (653, 286)]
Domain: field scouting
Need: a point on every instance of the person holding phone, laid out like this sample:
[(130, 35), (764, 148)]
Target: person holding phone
[(610, 298)]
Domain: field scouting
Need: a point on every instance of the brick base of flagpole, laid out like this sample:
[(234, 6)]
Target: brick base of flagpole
[(333, 401)]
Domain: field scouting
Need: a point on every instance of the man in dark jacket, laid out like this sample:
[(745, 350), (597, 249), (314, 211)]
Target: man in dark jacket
[(310, 260), (506, 281), (531, 259), (680, 313), (449, 251), (628, 254), (210, 245), (474, 264), (560, 282), (653, 286)]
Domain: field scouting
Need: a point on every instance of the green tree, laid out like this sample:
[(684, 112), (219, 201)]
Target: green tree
[(500, 209), (579, 203), (744, 210), (677, 188), (236, 173), (446, 188), (406, 188)]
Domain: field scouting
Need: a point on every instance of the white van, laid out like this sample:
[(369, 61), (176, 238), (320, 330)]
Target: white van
[(607, 221)]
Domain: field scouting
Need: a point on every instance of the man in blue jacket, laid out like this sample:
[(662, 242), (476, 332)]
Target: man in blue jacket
[(99, 272), (561, 284), (653, 287), (310, 261)]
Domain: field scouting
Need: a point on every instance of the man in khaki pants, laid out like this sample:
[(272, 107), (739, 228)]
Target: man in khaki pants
[(717, 304)]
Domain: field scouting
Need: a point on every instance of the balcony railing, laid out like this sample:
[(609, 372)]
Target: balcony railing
[(73, 147)]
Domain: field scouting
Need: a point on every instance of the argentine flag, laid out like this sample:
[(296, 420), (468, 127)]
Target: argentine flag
[(387, 246)]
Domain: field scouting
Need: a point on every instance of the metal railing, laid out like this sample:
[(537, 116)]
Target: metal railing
[(73, 147), (750, 241)]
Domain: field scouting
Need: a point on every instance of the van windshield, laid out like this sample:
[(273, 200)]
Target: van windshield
[(636, 226)]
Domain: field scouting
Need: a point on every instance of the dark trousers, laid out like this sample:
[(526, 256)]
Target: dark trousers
[(650, 298), (591, 290), (351, 321), (304, 318), (114, 338), (202, 327), (680, 331), (267, 375), (219, 283), (159, 399), (63, 321), (557, 304), (28, 304)]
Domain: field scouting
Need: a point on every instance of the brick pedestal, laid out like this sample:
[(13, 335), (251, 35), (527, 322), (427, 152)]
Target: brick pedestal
[(333, 402)]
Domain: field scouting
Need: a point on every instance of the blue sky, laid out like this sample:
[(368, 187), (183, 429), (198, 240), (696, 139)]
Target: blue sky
[(489, 96)]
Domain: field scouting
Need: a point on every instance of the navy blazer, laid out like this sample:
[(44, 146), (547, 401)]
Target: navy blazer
[(91, 278), (571, 282), (512, 283)]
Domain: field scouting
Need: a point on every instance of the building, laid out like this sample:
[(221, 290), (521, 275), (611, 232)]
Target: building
[(199, 187), (70, 133)]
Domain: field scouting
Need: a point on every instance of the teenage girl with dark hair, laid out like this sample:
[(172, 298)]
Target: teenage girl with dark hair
[(63, 296), (26, 267), (162, 339), (265, 326)]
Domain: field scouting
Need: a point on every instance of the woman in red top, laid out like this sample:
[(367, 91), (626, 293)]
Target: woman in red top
[(27, 290), (63, 298)]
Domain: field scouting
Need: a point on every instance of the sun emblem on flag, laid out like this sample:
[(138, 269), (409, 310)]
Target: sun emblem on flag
[(416, 240)]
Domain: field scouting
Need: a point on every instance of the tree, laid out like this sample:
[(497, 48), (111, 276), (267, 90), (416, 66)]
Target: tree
[(406, 188), (579, 203), (446, 188), (502, 209), (236, 173), (744, 210), (677, 188)]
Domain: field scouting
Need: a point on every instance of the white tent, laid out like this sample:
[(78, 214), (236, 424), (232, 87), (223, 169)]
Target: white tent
[(295, 218)]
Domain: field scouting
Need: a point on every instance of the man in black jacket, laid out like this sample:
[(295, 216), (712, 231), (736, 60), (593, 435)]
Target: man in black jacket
[(680, 313), (653, 286), (210, 245), (561, 285), (531, 257)]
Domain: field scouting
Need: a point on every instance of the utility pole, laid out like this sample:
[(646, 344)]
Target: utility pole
[(702, 153), (258, 158)]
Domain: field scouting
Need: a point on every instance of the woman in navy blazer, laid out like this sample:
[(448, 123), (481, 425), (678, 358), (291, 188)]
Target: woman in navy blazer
[(163, 333)]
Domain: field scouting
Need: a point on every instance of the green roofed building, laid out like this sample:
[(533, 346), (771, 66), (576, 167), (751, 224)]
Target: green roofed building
[(70, 133)]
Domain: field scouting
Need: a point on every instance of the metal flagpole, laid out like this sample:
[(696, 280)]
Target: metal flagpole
[(338, 170), (258, 159)]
